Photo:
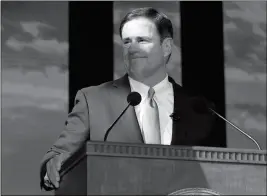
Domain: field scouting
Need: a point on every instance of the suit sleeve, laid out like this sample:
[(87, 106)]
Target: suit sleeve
[(74, 135)]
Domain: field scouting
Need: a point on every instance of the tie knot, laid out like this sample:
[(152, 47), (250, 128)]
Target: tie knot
[(151, 93)]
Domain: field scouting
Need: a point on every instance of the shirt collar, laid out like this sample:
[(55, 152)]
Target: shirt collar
[(162, 85), (143, 89)]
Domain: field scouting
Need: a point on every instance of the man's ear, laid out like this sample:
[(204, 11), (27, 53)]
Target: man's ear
[(167, 46)]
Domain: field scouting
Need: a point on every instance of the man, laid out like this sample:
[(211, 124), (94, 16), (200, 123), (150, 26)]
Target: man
[(164, 116)]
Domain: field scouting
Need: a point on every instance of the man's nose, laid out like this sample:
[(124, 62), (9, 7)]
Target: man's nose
[(133, 47)]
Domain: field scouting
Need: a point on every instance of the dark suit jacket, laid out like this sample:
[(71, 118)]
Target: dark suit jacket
[(97, 107)]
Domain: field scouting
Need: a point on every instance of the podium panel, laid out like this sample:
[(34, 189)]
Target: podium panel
[(123, 169)]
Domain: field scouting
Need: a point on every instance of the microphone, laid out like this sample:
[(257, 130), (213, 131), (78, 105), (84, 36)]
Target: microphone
[(133, 99), (174, 116), (201, 105)]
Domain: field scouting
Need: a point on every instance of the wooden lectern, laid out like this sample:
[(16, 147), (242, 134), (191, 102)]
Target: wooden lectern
[(104, 168)]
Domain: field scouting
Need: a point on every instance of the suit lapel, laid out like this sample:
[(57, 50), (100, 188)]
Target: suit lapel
[(129, 120), (179, 130)]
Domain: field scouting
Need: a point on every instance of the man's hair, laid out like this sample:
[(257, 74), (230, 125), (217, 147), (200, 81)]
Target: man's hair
[(163, 24), (161, 21)]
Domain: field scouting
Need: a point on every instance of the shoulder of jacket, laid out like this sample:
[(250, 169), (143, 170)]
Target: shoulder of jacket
[(96, 88)]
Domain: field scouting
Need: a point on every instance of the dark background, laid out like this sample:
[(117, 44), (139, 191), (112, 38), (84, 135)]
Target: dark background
[(47, 47)]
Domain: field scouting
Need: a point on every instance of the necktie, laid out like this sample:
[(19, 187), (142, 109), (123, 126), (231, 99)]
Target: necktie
[(151, 126)]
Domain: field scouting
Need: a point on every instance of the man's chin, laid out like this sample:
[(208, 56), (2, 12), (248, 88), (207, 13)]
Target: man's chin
[(139, 76), (135, 75)]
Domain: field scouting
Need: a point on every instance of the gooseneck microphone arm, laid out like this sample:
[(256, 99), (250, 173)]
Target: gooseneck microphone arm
[(133, 99), (201, 105), (107, 132), (233, 125)]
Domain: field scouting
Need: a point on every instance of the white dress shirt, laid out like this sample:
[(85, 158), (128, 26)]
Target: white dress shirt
[(165, 100)]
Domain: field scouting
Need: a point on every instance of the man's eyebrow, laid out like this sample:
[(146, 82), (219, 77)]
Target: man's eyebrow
[(138, 37), (144, 37)]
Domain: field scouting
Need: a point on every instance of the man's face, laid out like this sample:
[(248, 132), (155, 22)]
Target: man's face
[(143, 54)]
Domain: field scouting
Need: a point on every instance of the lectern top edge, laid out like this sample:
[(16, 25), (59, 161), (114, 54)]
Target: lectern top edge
[(144, 151), (195, 153)]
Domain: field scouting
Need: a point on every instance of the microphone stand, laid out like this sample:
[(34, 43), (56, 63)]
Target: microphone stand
[(236, 128), (106, 134)]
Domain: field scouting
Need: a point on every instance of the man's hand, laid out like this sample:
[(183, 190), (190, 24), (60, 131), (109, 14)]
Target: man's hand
[(52, 170)]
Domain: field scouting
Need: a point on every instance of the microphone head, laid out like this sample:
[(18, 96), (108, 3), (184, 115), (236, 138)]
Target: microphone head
[(134, 98), (201, 105)]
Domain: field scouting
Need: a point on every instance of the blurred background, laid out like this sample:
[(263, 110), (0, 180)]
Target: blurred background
[(34, 62)]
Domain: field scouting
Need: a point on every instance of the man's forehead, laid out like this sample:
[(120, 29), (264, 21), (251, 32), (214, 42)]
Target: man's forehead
[(138, 27)]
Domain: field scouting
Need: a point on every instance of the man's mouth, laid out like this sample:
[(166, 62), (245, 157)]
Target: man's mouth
[(136, 57)]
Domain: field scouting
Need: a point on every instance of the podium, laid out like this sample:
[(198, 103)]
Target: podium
[(105, 168)]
